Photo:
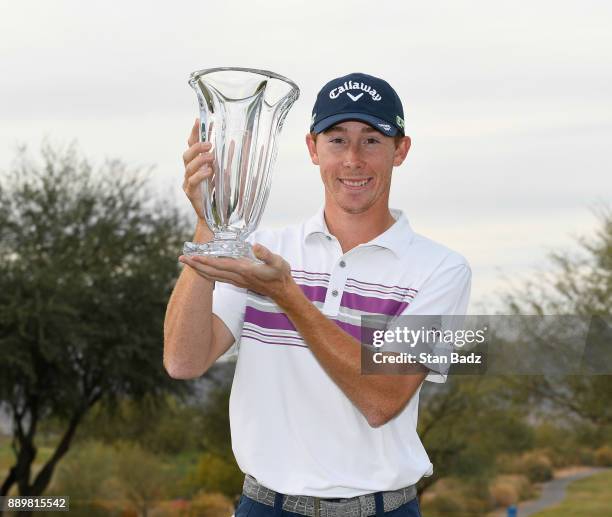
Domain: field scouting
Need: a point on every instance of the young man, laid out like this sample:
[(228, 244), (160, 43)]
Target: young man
[(313, 435)]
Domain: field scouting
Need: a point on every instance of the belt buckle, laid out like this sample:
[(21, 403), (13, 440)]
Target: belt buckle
[(340, 507)]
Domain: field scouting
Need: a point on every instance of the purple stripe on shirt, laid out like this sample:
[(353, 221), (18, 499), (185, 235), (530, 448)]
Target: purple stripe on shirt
[(349, 280), (349, 328), (310, 272), (318, 281), (270, 320), (278, 321), (371, 304), (278, 344), (388, 293), (272, 335), (315, 293)]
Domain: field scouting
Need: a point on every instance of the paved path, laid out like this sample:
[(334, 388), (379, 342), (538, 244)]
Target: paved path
[(553, 492)]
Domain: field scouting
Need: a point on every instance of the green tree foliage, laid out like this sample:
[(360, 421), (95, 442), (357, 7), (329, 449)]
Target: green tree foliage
[(216, 425), (578, 283), (168, 426), (465, 423), (87, 264)]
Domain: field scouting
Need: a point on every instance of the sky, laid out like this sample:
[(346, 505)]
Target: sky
[(508, 104)]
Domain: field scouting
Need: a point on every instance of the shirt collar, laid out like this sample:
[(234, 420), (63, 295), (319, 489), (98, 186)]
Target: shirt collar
[(396, 238)]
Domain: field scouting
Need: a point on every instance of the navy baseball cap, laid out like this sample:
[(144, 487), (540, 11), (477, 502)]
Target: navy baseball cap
[(360, 97)]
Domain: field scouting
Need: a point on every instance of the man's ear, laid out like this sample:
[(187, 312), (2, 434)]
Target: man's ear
[(401, 151), (312, 148)]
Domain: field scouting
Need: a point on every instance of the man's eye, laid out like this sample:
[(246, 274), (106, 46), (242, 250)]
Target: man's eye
[(336, 140), (372, 141)]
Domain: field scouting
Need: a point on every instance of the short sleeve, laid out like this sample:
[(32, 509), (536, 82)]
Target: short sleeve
[(229, 303), (445, 293)]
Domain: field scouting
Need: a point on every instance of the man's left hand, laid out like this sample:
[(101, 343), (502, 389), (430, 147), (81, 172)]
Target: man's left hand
[(272, 278)]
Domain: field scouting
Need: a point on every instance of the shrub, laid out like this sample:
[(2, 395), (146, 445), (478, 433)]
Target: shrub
[(536, 466), (504, 493), (603, 456), (585, 456), (561, 457), (510, 488), (216, 474), (86, 473), (521, 483), (211, 505), (444, 504), (142, 476)]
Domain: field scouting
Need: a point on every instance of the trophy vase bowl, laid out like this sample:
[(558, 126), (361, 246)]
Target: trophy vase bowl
[(242, 111)]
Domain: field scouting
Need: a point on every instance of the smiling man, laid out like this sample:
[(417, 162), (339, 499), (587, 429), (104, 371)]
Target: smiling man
[(313, 434)]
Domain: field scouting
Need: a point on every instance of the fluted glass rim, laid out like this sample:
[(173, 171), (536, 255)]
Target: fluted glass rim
[(194, 76)]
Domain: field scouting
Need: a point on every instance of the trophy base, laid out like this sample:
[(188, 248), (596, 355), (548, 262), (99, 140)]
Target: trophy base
[(221, 248)]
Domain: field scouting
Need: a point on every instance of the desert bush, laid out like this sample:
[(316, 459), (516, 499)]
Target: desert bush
[(584, 456), (603, 456), (506, 463), (536, 466), (504, 493), (444, 504), (142, 477), (205, 504), (216, 474), (476, 506), (521, 484), (87, 475), (172, 508)]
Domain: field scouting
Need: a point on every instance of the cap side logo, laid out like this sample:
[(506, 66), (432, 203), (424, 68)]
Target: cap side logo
[(350, 85), (399, 121)]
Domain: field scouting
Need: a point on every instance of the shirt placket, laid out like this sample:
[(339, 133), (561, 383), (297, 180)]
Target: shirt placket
[(337, 281)]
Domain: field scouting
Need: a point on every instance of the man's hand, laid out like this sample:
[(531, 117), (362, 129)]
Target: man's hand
[(272, 278), (199, 163)]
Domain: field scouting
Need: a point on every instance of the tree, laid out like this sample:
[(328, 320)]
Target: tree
[(576, 284), (465, 423), (87, 264)]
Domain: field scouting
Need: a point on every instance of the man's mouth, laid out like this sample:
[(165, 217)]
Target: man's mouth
[(355, 184)]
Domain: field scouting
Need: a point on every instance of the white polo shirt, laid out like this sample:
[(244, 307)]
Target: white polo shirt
[(292, 428)]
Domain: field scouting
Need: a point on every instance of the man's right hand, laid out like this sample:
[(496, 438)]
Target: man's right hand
[(198, 162)]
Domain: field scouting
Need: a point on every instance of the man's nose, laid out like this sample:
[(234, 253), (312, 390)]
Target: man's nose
[(352, 157)]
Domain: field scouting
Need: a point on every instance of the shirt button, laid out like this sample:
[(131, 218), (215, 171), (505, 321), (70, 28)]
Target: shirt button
[(328, 238), (342, 263), (335, 292)]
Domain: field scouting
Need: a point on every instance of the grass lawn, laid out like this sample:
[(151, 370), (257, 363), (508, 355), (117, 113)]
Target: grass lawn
[(590, 497)]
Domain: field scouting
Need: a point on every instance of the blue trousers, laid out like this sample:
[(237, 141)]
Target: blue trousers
[(248, 507)]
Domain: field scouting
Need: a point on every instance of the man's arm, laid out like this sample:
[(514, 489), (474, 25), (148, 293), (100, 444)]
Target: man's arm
[(194, 338), (378, 397)]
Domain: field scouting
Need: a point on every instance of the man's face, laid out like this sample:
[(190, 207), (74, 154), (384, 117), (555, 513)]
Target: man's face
[(356, 162)]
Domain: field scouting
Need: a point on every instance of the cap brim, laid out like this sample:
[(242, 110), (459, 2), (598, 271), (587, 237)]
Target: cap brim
[(377, 123)]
